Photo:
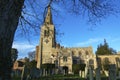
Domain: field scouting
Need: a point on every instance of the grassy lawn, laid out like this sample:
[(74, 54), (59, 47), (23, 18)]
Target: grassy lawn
[(55, 77), (60, 77)]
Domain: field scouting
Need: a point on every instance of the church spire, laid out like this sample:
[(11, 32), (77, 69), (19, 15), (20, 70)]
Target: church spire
[(48, 18)]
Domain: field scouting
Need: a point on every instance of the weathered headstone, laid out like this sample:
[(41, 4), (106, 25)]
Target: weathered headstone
[(83, 74), (119, 75), (98, 75), (53, 71), (40, 72), (28, 77), (24, 73), (34, 73), (86, 72), (112, 72), (44, 72), (90, 73), (64, 72), (80, 73)]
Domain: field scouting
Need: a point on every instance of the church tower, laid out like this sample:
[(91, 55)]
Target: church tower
[(47, 40)]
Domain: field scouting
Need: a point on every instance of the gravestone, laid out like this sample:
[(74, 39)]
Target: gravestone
[(24, 73), (83, 74), (118, 74), (112, 72), (98, 75), (80, 73), (34, 73), (90, 73), (86, 72), (41, 72), (44, 72), (28, 77)]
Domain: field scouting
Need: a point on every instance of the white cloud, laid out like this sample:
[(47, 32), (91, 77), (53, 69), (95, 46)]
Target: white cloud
[(23, 48), (115, 40), (90, 41)]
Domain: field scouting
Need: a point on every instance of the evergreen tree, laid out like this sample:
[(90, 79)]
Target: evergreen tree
[(105, 49)]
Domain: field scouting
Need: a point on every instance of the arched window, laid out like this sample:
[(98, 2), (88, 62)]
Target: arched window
[(82, 61), (73, 53), (56, 62), (87, 53), (74, 61), (99, 61), (106, 60), (117, 59), (46, 33), (79, 53), (117, 62), (64, 59), (91, 62)]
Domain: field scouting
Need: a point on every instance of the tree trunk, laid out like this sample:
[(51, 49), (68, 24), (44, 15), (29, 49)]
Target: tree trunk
[(10, 11)]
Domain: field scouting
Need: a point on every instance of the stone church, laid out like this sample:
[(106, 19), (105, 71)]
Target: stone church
[(49, 51)]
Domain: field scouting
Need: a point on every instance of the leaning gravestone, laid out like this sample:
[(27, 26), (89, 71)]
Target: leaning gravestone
[(112, 72), (98, 75)]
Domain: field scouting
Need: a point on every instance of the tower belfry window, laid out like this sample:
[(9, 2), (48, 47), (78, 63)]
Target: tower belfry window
[(46, 33)]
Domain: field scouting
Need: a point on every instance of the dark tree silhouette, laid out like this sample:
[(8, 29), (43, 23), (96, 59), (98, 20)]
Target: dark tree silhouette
[(10, 11), (14, 55), (105, 49)]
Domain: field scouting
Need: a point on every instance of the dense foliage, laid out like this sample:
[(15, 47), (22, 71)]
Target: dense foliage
[(105, 49)]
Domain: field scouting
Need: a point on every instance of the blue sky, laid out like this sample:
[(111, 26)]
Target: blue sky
[(77, 33)]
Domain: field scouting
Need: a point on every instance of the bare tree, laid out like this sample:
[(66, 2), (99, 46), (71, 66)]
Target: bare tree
[(10, 15), (31, 55)]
